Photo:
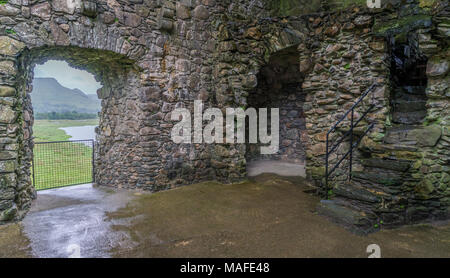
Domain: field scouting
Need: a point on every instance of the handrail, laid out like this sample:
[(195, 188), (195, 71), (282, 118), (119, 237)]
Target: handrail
[(353, 124), (353, 106)]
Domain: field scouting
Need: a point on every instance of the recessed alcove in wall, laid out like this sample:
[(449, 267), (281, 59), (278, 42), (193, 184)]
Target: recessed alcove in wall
[(409, 81), (280, 86)]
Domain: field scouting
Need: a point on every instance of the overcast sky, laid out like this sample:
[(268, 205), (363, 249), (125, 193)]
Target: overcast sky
[(67, 76)]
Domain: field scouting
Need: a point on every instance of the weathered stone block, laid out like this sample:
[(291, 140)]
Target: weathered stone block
[(6, 204), (332, 31), (4, 155), (7, 68), (353, 192), (424, 189), (59, 35), (26, 12), (8, 10), (363, 21), (8, 180), (149, 131), (383, 178), (357, 221), (66, 6), (253, 33), (317, 172), (42, 10), (378, 46), (182, 11), (182, 65), (6, 91), (10, 46), (8, 101), (305, 65), (427, 136), (89, 8), (423, 136), (7, 114), (318, 149), (165, 24), (201, 12), (444, 29), (8, 214), (104, 92), (151, 107), (7, 193), (395, 165), (7, 166), (437, 67), (131, 19)]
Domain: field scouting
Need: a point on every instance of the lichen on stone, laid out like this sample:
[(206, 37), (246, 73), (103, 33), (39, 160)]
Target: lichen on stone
[(401, 25), (284, 8)]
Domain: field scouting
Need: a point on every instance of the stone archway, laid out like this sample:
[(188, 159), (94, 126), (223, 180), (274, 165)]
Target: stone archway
[(280, 86), (139, 53), (118, 76)]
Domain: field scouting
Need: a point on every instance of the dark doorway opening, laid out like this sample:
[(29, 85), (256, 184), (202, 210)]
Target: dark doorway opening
[(409, 81), (280, 86)]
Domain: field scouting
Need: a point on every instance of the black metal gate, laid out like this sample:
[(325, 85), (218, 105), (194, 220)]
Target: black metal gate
[(62, 163)]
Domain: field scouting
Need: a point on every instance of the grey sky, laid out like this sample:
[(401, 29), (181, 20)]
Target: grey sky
[(67, 76)]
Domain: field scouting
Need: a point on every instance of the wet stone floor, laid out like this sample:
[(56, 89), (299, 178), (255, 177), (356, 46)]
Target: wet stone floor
[(266, 216)]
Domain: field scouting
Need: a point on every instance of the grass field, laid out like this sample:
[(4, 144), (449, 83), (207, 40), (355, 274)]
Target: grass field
[(60, 164), (48, 130)]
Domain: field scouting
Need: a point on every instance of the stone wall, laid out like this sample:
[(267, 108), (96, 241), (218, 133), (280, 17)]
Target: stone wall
[(154, 56), (401, 171), (340, 55), (340, 64), (150, 56)]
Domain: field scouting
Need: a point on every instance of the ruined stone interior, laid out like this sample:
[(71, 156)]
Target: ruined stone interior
[(280, 86), (312, 59)]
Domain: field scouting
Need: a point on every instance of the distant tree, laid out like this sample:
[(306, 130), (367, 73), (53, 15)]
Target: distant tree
[(74, 115)]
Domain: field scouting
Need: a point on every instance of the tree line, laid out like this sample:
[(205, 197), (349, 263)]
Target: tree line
[(74, 115)]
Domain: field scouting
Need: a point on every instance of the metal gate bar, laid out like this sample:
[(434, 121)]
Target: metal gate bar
[(62, 163)]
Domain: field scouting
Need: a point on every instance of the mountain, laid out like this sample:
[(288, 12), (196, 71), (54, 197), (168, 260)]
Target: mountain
[(50, 96)]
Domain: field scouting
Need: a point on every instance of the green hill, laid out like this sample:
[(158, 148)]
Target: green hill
[(50, 96)]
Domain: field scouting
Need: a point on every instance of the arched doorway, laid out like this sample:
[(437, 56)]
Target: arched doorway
[(118, 76), (280, 86)]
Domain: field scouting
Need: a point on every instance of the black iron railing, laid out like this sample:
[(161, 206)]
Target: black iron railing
[(333, 146), (62, 163)]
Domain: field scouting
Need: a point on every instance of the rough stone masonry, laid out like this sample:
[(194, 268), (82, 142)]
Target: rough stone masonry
[(153, 56)]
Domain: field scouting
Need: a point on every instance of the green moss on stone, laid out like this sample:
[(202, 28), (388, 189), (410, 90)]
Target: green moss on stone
[(377, 136), (417, 164), (444, 182), (10, 31), (424, 189), (401, 25), (427, 3), (388, 182), (317, 172), (285, 8), (432, 121), (348, 3)]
